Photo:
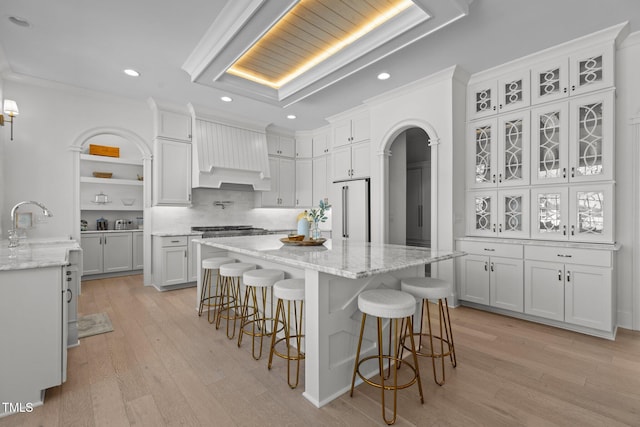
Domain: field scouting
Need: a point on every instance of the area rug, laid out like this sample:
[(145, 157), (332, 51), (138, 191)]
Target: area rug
[(94, 324)]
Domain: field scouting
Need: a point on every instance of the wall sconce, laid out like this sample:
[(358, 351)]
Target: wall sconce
[(11, 109)]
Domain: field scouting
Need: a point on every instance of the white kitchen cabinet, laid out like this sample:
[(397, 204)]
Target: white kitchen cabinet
[(568, 291), (171, 173), (283, 176), (509, 92), (491, 274), (351, 162), (321, 144), (124, 186), (106, 252), (585, 71), (500, 154), (575, 213), (170, 260), (353, 130), (304, 182), (321, 179), (174, 126), (138, 250), (192, 259), (573, 140), (304, 147), (502, 213), (278, 145)]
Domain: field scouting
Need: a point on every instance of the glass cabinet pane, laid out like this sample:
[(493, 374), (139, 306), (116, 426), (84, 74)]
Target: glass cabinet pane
[(513, 92), (513, 213), (483, 154), (549, 82), (482, 213), (549, 145), (549, 219), (483, 101), (589, 161), (590, 70), (590, 212), (513, 150)]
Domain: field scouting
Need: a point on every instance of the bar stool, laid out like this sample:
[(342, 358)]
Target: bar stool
[(210, 265), (263, 279), (399, 307), (231, 275), (291, 291), (425, 289)]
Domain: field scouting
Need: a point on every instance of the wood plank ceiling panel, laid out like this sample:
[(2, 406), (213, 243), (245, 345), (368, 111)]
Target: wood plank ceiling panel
[(310, 30)]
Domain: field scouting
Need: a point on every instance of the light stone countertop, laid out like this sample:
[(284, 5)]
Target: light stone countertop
[(548, 243), (176, 233), (111, 231), (352, 260), (36, 253)]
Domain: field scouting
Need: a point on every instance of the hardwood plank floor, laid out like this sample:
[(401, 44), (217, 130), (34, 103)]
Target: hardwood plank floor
[(164, 366)]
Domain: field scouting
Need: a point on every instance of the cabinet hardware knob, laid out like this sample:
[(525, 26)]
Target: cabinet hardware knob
[(500, 177), (564, 256), (70, 294), (564, 172), (573, 230), (485, 266), (493, 178), (494, 108), (489, 250), (500, 106), (573, 172), (560, 275), (492, 267), (564, 230), (499, 228), (568, 276), (68, 273), (494, 228), (564, 90), (573, 88)]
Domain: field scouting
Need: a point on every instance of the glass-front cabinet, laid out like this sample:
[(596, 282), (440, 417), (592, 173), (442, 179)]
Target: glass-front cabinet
[(577, 213), (508, 93), (500, 153), (503, 213)]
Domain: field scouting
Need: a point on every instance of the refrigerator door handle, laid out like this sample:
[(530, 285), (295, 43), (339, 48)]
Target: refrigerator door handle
[(344, 207), (346, 211)]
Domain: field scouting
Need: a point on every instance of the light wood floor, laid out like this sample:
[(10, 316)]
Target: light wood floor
[(163, 365)]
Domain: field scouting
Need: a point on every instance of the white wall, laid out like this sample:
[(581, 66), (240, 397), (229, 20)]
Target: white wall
[(37, 163), (3, 132)]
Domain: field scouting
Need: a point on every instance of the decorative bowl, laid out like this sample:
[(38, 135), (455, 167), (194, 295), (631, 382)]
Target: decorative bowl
[(296, 237), (128, 202), (103, 174)]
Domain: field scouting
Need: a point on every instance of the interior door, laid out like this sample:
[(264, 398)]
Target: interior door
[(414, 204)]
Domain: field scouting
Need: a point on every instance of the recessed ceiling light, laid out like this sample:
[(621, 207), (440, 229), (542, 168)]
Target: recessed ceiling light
[(291, 116), (131, 72), (383, 76), (226, 99), (21, 22)]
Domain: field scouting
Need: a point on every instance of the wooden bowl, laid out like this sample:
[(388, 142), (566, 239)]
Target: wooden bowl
[(103, 174), (296, 237)]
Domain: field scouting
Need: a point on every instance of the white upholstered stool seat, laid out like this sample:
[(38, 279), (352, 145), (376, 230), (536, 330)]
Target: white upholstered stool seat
[(436, 290), (398, 306), (209, 299), (231, 307), (290, 291), (257, 308)]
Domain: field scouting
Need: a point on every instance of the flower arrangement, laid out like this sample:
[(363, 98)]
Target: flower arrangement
[(317, 215)]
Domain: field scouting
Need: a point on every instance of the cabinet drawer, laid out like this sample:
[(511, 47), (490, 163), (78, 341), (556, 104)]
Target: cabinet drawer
[(504, 250), (173, 241), (591, 257)]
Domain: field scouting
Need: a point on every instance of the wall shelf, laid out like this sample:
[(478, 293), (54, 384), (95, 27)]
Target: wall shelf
[(115, 160), (110, 181)]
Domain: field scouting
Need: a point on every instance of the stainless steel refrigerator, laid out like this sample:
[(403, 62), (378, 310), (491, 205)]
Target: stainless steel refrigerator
[(350, 210)]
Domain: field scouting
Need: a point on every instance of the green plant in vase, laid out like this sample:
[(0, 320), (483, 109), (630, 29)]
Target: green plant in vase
[(316, 216)]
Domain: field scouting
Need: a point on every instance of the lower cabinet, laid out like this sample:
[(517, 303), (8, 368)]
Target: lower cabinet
[(138, 250), (106, 252), (571, 286)]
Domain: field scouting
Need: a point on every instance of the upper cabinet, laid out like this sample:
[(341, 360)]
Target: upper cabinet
[(171, 173), (278, 145), (491, 97), (584, 71), (352, 130), (321, 144), (173, 126), (304, 147)]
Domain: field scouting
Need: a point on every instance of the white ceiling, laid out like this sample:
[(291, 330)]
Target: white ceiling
[(87, 43)]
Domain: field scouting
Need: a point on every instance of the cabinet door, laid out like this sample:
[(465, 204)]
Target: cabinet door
[(287, 146), (544, 289), (513, 91), (272, 197), (475, 279), (192, 258), (174, 265), (304, 147), (592, 213), (341, 163), (360, 128), (174, 126), (172, 173), (342, 133), (482, 157), (321, 144), (320, 179), (360, 160), (482, 213), (588, 296), (513, 213), (304, 183), (550, 81), (482, 98), (506, 283), (513, 149), (550, 213), (117, 252), (287, 185), (591, 69), (273, 145), (592, 129), (550, 143), (92, 261), (138, 250)]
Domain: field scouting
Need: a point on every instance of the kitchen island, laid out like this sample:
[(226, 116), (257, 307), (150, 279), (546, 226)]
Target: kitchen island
[(335, 273)]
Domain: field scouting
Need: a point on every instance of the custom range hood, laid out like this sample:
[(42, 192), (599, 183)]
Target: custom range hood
[(229, 155)]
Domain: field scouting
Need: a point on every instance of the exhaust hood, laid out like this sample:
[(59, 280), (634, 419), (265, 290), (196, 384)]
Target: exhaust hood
[(225, 155)]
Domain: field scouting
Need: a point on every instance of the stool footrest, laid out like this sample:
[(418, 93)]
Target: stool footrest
[(299, 355)]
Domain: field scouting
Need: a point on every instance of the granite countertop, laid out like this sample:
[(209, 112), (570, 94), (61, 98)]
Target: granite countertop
[(36, 253), (344, 258), (549, 243), (109, 231), (176, 233)]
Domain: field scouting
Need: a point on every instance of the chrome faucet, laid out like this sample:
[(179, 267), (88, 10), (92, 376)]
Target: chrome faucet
[(13, 233)]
